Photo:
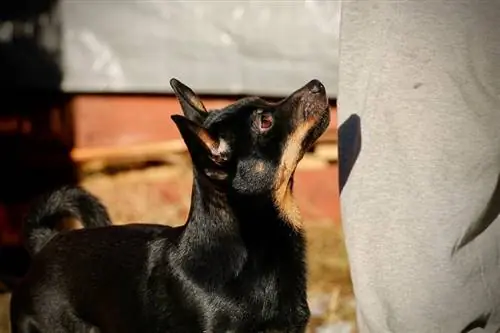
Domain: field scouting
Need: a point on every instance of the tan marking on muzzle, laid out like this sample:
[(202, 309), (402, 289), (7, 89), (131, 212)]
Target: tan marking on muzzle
[(283, 196), (69, 223)]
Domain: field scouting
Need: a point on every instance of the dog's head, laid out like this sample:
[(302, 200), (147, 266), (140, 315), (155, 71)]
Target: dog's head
[(252, 146)]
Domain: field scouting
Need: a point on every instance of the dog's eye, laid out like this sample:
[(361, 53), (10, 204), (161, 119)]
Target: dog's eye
[(264, 120)]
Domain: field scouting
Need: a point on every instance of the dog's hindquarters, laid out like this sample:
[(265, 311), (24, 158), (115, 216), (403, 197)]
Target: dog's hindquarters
[(70, 207), (38, 323), (38, 307)]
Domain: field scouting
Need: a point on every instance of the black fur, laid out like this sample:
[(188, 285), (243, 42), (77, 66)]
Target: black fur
[(237, 265), (67, 202)]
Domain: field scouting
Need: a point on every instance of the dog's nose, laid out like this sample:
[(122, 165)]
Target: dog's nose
[(316, 87)]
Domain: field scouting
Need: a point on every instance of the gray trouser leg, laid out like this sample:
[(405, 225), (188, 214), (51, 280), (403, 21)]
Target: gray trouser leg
[(421, 204)]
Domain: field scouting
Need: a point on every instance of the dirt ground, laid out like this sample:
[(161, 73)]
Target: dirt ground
[(161, 194)]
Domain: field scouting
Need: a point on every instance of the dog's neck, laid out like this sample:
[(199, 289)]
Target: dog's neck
[(228, 229)]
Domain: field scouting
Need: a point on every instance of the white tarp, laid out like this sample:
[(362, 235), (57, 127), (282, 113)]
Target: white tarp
[(235, 47), (217, 47)]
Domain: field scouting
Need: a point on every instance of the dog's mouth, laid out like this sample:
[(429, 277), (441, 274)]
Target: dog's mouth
[(321, 121), (310, 116), (311, 119), (315, 112)]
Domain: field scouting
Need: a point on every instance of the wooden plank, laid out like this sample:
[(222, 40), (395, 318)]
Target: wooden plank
[(137, 150), (118, 121), (327, 152), (311, 162), (94, 159), (123, 120)]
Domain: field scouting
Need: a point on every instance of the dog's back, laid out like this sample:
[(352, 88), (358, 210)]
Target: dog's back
[(107, 277)]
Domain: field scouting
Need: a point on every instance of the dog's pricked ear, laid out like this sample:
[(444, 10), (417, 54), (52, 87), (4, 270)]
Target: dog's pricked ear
[(199, 140), (191, 105)]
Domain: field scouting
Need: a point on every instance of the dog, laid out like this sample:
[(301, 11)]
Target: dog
[(237, 265)]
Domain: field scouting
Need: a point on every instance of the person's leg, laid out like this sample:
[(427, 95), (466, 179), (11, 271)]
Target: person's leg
[(421, 202)]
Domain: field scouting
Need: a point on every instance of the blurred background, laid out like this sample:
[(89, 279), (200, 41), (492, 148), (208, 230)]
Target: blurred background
[(86, 99)]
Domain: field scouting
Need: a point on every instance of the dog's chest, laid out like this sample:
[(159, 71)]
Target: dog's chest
[(251, 305)]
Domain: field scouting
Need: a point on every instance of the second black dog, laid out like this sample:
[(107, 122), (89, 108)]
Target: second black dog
[(236, 266)]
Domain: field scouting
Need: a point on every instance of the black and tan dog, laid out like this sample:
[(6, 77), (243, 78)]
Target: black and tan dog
[(236, 266)]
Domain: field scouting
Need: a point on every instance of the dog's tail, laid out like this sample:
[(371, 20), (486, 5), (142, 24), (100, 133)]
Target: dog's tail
[(69, 207)]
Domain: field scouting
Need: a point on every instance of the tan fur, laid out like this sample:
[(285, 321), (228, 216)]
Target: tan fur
[(69, 223), (291, 155), (197, 103), (216, 147), (207, 139), (259, 167)]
